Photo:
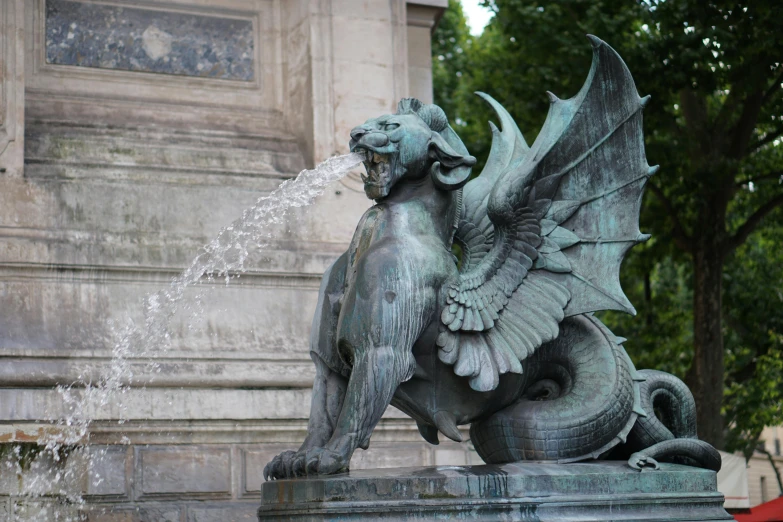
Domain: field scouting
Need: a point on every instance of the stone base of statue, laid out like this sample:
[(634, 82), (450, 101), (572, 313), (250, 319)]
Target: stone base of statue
[(538, 492)]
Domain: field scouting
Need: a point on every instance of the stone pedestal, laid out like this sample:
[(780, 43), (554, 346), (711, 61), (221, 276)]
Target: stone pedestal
[(514, 492)]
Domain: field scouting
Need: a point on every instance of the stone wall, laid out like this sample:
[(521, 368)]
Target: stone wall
[(195, 471), (130, 132)]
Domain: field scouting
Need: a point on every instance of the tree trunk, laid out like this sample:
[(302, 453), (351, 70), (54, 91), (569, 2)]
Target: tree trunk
[(774, 468), (705, 377)]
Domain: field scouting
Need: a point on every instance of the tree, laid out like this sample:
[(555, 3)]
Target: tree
[(714, 125), (661, 336), (754, 339), (449, 57)]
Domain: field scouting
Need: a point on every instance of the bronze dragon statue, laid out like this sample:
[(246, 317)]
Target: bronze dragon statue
[(502, 338)]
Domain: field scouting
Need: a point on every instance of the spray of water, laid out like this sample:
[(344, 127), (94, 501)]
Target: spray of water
[(225, 256)]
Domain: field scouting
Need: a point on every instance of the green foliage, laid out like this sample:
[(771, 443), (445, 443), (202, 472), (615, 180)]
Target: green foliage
[(449, 56), (754, 403), (21, 453), (660, 336), (714, 72), (754, 338)]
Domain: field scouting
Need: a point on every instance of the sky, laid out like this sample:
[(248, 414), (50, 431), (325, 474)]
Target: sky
[(477, 16)]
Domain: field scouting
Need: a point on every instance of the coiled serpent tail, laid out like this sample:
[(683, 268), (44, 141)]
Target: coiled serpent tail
[(700, 452), (579, 406), (668, 432)]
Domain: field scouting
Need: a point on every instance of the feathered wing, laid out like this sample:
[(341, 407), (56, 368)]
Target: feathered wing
[(544, 229)]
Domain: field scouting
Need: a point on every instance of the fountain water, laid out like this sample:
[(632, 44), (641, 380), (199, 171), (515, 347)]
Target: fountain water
[(42, 469)]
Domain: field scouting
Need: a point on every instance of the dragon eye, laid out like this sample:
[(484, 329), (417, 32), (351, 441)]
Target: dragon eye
[(391, 126)]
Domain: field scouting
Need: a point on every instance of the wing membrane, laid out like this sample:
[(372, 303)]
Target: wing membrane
[(544, 228)]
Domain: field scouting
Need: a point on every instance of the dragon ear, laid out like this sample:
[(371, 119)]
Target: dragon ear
[(450, 170)]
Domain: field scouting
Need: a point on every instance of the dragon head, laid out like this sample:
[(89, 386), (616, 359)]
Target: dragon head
[(410, 145)]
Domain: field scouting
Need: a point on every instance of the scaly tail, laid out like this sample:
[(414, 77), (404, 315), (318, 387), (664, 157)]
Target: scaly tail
[(582, 401), (673, 436)]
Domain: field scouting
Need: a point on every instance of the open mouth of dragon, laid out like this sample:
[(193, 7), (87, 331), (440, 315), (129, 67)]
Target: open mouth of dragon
[(377, 167)]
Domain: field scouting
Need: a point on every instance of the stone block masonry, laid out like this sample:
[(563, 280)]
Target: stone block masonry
[(208, 472), (130, 133)]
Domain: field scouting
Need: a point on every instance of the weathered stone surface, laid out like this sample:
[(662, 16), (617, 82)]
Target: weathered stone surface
[(252, 461), (421, 22), (184, 472), (12, 88), (161, 404), (133, 39), (387, 455), (160, 514), (529, 492), (237, 512), (94, 95), (127, 175), (110, 480), (107, 472), (26, 509)]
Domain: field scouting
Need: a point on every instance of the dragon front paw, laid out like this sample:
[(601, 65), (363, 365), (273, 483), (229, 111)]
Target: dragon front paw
[(280, 466), (639, 461), (321, 461)]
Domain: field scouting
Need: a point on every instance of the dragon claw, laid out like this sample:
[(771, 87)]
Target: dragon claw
[(280, 467), (321, 461), (299, 464)]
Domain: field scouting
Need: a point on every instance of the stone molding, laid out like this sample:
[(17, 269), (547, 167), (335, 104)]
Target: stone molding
[(394, 427), (171, 427), (181, 372), (426, 14), (121, 274)]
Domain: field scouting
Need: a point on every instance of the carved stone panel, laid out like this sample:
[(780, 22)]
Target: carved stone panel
[(184, 65), (193, 472), (106, 472), (132, 39)]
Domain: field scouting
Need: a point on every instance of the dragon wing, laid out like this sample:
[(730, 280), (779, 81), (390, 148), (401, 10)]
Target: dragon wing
[(544, 229)]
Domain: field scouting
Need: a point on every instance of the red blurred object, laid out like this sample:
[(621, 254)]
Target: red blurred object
[(771, 511)]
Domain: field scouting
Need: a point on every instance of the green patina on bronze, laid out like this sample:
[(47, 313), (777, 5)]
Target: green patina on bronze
[(504, 341)]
